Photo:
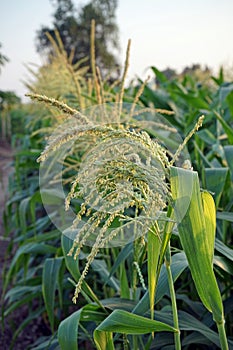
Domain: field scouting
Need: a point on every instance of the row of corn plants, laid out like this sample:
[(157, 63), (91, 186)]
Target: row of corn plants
[(128, 178)]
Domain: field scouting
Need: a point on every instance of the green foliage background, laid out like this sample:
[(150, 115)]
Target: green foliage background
[(42, 276)]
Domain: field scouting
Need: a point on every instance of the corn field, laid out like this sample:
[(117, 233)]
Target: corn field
[(120, 211)]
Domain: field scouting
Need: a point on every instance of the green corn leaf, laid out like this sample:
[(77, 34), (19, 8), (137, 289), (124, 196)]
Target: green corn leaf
[(228, 150), (224, 215), (167, 232), (153, 248), (73, 267), (23, 210), (224, 249), (24, 300), (119, 303), (210, 222), (159, 98), (194, 101), (206, 136), (220, 79), (18, 292), (49, 285), (121, 257), (68, 331), (188, 322), (71, 264), (45, 236), (48, 344), (60, 283), (29, 248), (215, 181), (229, 101), (124, 322), (224, 264), (100, 266), (68, 328), (179, 264), (228, 130), (160, 77), (104, 340), (197, 241), (124, 284), (202, 156), (121, 321)]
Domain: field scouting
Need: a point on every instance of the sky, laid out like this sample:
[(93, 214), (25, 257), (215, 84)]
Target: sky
[(164, 33)]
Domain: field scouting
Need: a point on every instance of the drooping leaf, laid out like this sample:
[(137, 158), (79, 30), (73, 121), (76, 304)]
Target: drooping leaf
[(68, 328), (28, 248), (120, 321)]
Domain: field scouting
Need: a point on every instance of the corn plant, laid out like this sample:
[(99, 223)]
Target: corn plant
[(138, 294), (196, 234)]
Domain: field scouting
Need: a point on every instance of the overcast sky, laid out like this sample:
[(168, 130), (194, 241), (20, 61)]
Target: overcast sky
[(164, 33)]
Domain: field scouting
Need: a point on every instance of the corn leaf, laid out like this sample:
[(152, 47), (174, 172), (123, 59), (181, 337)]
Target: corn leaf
[(100, 266), (210, 222), (49, 285), (152, 264), (121, 257), (188, 322), (73, 267), (23, 210), (228, 150), (215, 181), (224, 264), (225, 215), (22, 251), (179, 264), (160, 77), (228, 130), (124, 322), (196, 240), (68, 328), (224, 249), (124, 290), (103, 340)]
